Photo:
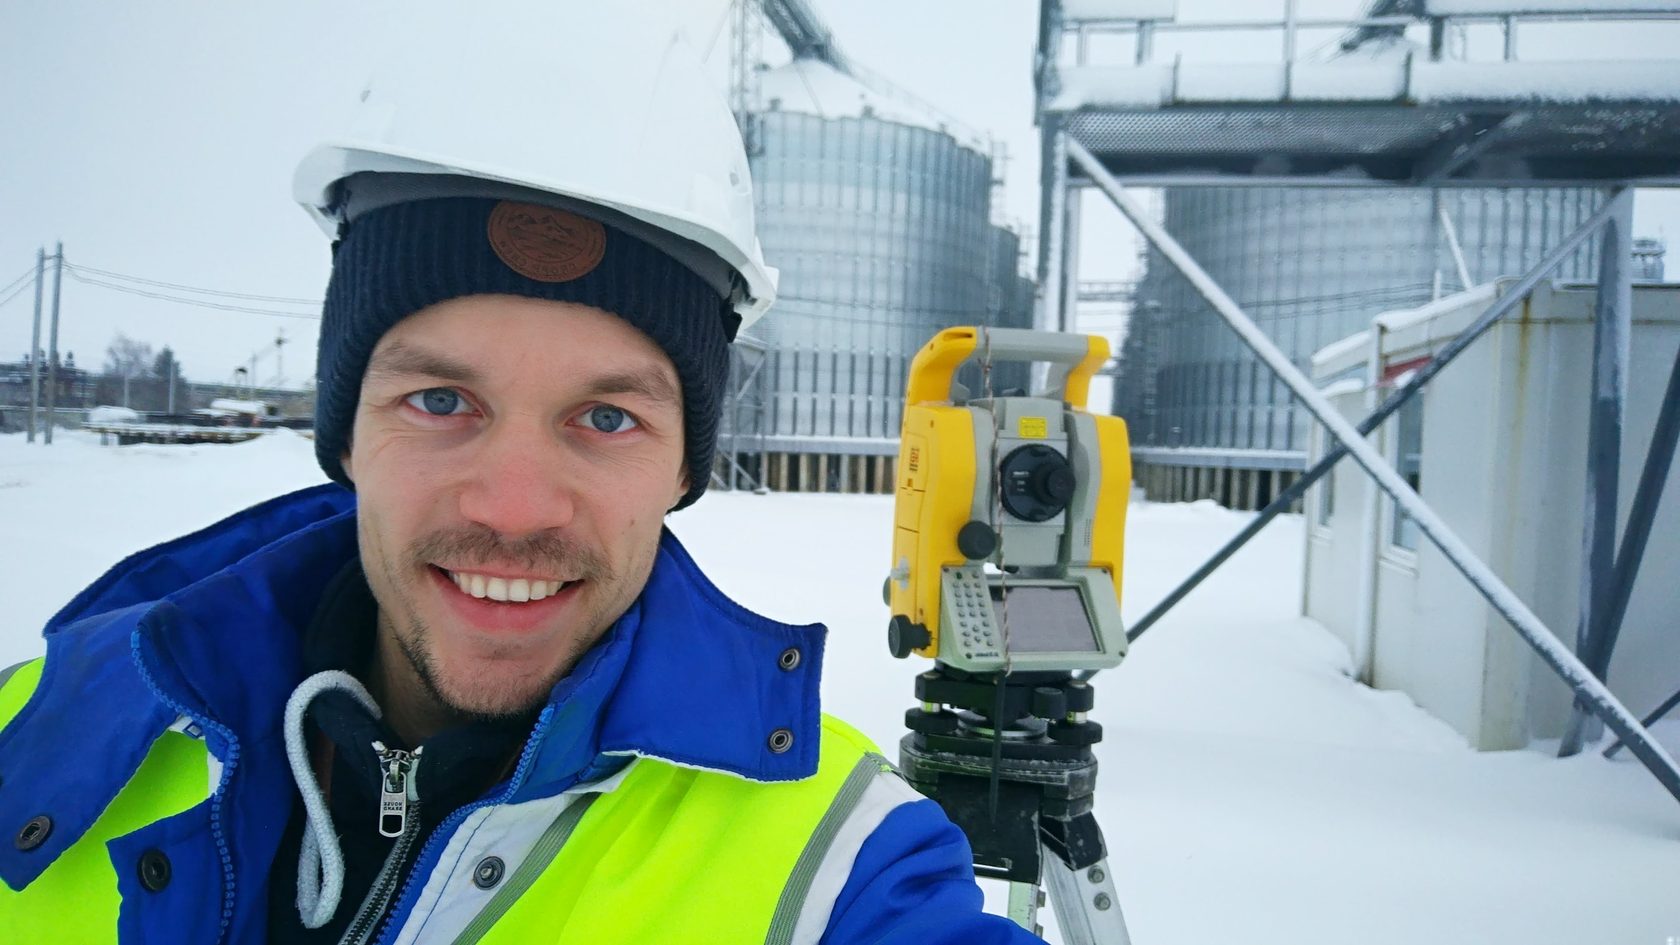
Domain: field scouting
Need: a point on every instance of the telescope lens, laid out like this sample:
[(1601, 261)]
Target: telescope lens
[(1038, 483), (1053, 484)]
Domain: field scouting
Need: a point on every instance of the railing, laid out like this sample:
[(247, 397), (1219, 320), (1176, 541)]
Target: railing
[(823, 402), (816, 392), (1146, 19)]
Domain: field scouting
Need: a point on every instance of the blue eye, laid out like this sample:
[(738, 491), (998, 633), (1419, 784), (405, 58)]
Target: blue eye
[(438, 401), (606, 419)]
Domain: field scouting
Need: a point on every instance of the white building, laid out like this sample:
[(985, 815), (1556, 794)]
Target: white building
[(1497, 445)]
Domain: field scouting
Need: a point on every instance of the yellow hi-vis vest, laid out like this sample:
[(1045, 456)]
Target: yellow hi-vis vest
[(669, 854)]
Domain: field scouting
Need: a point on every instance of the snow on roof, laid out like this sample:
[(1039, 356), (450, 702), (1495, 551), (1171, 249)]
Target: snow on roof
[(1155, 85), (1401, 319), (239, 406), (1340, 354), (1146, 86), (1369, 78), (1519, 7), (1073, 10), (1631, 80), (1342, 386), (1230, 81), (1338, 350), (106, 413), (813, 87), (1386, 79)]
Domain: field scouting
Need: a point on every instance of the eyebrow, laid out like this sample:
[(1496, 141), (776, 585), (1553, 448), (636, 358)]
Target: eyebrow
[(401, 359), (650, 384), (405, 360)]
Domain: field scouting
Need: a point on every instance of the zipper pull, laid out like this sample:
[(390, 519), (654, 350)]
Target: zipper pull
[(396, 788)]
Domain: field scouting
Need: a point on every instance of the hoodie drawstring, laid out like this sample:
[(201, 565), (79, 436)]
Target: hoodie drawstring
[(321, 859)]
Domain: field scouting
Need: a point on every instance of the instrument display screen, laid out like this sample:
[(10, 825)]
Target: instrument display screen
[(1045, 619)]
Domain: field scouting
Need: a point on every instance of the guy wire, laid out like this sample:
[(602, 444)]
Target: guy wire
[(998, 702)]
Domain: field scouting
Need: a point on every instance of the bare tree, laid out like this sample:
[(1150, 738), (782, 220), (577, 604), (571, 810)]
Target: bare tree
[(128, 358)]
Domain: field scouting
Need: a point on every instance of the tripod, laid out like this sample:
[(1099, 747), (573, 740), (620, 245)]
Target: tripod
[(1008, 756)]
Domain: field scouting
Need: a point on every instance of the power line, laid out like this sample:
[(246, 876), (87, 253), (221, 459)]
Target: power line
[(27, 274), (15, 293), (201, 303), (196, 290)]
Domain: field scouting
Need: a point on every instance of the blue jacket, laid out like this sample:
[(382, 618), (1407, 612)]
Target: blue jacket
[(204, 630)]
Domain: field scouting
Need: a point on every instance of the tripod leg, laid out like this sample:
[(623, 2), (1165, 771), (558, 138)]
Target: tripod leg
[(1024, 902), (1086, 907)]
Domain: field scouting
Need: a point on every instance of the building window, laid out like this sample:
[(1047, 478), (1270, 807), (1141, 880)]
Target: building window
[(1408, 461)]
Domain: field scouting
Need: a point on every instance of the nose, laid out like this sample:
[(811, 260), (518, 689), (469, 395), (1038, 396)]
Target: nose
[(517, 483)]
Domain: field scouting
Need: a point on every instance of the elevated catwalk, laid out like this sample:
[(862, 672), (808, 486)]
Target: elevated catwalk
[(1390, 114)]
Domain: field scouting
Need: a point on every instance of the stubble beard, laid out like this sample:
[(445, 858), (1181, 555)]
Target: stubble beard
[(501, 694), (475, 704)]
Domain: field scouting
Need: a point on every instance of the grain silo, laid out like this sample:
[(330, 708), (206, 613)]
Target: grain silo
[(1312, 266), (878, 217)]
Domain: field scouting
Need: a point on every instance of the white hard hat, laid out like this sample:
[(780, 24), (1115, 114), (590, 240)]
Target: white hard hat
[(593, 103)]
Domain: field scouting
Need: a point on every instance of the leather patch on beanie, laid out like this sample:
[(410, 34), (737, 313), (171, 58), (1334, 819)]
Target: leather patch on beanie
[(546, 244)]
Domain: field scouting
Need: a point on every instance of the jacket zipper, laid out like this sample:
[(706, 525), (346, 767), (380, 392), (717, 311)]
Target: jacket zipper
[(399, 817), (527, 755)]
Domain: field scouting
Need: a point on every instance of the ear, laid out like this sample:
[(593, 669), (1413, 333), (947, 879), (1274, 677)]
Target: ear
[(344, 463), (679, 490)]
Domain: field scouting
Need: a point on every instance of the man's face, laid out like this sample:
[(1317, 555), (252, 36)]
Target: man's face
[(508, 449)]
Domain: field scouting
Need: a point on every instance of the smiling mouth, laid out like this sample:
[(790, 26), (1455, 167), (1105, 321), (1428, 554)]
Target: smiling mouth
[(504, 590)]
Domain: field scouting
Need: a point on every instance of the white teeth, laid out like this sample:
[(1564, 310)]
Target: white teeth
[(516, 590)]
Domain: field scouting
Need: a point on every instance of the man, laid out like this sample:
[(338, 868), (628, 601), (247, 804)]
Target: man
[(473, 691)]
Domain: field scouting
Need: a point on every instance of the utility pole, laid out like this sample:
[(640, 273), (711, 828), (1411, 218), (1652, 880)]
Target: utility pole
[(52, 349), (35, 343)]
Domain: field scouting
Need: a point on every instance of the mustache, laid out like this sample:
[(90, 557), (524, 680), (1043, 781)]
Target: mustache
[(548, 552)]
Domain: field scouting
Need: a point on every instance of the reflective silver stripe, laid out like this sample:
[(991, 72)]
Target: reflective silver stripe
[(886, 793), (792, 901), (547, 848)]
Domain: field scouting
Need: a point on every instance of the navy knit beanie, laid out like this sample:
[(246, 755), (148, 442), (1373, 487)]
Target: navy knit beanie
[(396, 260)]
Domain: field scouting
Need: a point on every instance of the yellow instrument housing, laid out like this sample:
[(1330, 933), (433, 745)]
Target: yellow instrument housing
[(938, 473)]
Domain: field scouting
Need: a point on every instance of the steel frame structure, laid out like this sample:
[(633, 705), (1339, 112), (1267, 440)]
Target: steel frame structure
[(1068, 140), (745, 397)]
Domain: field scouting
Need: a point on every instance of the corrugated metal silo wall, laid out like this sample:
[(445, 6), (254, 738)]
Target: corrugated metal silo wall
[(1311, 266), (882, 235)]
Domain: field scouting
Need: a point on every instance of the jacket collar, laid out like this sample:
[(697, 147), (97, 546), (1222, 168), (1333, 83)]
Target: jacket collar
[(151, 641), (690, 677), (686, 675)]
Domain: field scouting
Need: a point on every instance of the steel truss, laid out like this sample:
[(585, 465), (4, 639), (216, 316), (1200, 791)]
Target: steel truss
[(745, 400), (1193, 143), (1590, 692)]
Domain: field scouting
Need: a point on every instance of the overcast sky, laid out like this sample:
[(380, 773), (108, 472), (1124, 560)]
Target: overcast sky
[(158, 140)]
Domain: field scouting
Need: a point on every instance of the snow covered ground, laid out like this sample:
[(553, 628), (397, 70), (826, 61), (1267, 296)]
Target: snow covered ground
[(1250, 792)]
